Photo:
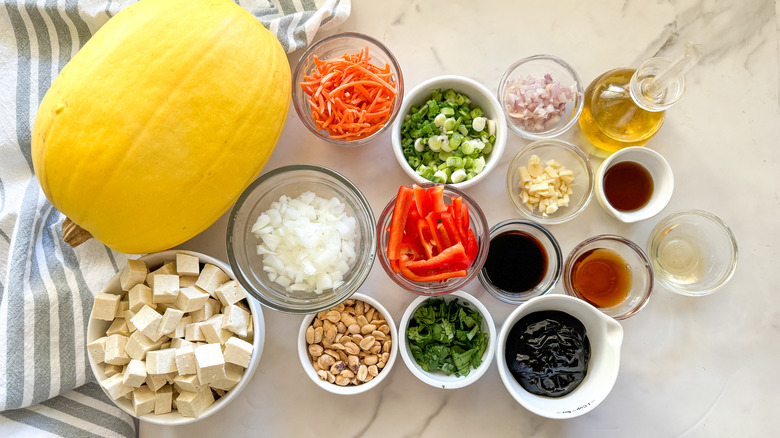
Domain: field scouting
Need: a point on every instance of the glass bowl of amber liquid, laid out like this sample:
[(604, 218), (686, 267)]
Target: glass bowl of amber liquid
[(610, 272)]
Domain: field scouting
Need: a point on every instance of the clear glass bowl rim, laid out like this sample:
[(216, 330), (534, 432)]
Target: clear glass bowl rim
[(363, 270), (395, 66), (522, 297), (579, 97)]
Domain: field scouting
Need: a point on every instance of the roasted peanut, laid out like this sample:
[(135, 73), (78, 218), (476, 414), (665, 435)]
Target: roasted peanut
[(315, 350), (362, 373), (310, 335), (351, 348), (345, 348), (367, 342)]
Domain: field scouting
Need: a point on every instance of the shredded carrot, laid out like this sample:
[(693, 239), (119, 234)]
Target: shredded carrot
[(350, 97)]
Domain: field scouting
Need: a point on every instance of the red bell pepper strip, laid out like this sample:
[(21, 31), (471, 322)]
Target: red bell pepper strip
[(431, 220), (425, 237), (436, 194), (457, 214), (398, 221), (444, 238), (422, 201), (464, 221), (451, 227), (406, 272), (394, 266), (410, 230), (472, 250), (454, 256)]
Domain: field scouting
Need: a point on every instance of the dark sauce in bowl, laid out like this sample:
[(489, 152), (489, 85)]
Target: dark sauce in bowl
[(516, 261), (547, 353)]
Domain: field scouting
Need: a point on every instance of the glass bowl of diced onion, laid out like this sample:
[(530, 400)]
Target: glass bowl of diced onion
[(550, 181), (542, 96), (301, 239), (347, 88)]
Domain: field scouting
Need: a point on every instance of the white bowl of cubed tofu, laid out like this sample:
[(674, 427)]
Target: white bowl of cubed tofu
[(173, 338)]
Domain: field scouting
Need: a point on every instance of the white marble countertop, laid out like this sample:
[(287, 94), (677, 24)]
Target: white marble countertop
[(690, 366)]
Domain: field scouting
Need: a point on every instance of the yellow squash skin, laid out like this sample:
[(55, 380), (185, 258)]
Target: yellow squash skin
[(152, 131)]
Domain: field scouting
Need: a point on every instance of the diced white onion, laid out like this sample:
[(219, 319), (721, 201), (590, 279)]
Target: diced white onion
[(307, 243)]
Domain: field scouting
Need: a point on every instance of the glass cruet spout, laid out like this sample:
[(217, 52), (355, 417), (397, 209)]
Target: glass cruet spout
[(660, 82)]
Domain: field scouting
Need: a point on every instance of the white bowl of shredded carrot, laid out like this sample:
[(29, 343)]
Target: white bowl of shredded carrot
[(347, 88)]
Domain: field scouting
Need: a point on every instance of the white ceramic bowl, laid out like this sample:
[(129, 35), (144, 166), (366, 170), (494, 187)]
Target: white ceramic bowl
[(97, 328), (605, 336), (663, 182), (303, 353), (437, 378), (479, 95)]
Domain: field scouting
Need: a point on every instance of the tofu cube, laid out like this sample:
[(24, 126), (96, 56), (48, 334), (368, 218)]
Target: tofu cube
[(163, 399), (170, 320), (128, 315), (114, 386), (97, 349), (105, 306), (187, 382), (143, 401), (191, 299), (181, 327), (115, 350), (210, 363), (230, 292), (139, 295), (168, 267), (135, 373), (147, 321), (210, 277), (156, 381), (180, 343), (238, 352), (193, 333), (138, 344), (132, 274), (118, 327), (111, 370), (185, 360), (235, 319), (192, 404), (187, 265), (213, 332), (166, 288), (161, 361), (232, 377), (211, 308), (123, 305), (187, 281)]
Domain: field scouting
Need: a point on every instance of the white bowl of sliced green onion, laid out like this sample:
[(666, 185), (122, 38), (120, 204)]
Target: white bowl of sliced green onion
[(452, 131)]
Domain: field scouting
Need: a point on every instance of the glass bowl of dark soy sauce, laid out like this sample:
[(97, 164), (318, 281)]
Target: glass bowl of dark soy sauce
[(524, 261)]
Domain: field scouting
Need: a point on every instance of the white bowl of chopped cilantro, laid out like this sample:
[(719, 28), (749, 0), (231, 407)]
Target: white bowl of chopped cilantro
[(449, 341), (452, 131)]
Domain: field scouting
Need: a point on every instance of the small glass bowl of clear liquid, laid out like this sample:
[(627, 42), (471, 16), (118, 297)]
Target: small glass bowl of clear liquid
[(693, 252)]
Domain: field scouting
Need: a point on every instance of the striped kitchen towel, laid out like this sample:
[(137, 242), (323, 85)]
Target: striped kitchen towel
[(46, 287)]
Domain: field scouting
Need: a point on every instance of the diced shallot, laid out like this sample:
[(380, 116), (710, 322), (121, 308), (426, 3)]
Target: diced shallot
[(536, 104)]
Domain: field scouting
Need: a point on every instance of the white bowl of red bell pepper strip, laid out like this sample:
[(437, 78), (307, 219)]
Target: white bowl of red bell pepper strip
[(433, 238)]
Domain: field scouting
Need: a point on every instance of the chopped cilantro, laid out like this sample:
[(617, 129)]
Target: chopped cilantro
[(446, 336)]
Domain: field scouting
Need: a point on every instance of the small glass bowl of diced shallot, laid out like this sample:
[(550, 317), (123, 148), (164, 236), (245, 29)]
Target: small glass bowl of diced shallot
[(301, 238), (433, 238), (347, 88), (542, 96), (550, 181)]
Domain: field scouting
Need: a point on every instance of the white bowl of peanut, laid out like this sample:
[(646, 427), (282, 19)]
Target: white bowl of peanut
[(349, 348)]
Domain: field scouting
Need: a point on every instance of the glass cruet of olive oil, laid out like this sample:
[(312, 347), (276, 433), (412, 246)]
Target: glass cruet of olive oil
[(625, 107)]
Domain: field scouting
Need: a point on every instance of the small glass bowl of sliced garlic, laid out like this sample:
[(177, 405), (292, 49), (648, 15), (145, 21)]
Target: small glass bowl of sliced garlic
[(550, 181)]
